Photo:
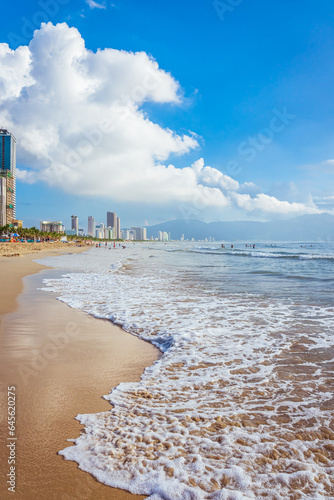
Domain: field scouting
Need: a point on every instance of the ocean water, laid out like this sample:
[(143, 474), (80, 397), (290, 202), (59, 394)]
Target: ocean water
[(240, 403)]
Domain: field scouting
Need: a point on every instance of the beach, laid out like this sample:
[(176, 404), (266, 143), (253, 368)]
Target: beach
[(61, 362), (240, 404), (16, 262)]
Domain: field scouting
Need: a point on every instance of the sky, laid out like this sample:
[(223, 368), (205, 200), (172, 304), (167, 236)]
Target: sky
[(214, 110)]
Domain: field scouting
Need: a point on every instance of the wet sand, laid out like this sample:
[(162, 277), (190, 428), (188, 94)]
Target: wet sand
[(14, 269), (61, 362)]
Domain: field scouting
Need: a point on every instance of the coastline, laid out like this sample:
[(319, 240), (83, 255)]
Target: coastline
[(16, 262), (61, 362)]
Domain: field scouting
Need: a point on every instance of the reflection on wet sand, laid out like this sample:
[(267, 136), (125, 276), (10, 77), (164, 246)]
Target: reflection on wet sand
[(61, 362)]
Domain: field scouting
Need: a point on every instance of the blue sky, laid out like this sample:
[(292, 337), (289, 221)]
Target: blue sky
[(239, 64)]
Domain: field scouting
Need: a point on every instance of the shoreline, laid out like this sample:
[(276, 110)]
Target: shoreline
[(91, 357), (13, 268)]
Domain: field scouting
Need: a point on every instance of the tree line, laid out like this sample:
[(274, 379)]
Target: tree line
[(31, 233)]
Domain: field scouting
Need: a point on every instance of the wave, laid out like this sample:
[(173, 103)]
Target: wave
[(256, 253)]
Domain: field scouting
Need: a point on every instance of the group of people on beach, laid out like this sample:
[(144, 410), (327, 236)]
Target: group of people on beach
[(250, 246), (98, 245)]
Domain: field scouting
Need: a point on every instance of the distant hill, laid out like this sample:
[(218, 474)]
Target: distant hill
[(304, 228)]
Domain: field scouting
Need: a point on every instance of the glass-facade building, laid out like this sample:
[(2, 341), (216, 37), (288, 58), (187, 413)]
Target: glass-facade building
[(8, 177), (7, 151)]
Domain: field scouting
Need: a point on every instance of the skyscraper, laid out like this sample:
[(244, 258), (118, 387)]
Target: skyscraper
[(52, 226), (75, 223), (91, 226), (3, 201), (139, 233), (118, 228), (8, 177), (112, 221)]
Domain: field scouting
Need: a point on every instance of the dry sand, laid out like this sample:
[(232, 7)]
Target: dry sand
[(61, 362), (13, 249)]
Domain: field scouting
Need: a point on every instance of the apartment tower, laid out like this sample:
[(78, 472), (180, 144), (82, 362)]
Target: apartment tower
[(75, 223), (114, 222), (91, 226), (7, 177)]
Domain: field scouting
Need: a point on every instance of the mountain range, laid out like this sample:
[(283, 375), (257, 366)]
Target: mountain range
[(319, 227)]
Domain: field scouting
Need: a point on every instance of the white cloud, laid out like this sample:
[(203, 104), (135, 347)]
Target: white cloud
[(95, 5), (14, 71), (269, 204), (324, 198), (326, 167), (79, 124), (325, 202)]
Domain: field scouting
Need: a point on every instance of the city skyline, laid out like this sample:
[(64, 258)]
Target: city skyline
[(95, 229)]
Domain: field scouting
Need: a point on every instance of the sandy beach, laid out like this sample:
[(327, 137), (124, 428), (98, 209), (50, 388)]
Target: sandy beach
[(16, 262), (61, 363)]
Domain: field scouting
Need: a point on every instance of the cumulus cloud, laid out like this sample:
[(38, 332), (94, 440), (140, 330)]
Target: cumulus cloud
[(14, 71), (95, 5), (80, 126), (265, 203)]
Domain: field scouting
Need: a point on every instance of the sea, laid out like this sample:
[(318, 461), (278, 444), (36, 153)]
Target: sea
[(240, 403)]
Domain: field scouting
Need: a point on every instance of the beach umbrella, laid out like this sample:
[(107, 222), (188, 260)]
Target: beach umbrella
[(15, 234)]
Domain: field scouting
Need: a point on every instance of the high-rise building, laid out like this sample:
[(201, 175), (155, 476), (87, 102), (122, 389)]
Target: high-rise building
[(3, 201), (8, 177), (52, 226), (114, 221), (112, 231), (91, 226), (111, 219), (125, 234), (139, 233), (162, 236), (109, 233), (99, 231), (75, 223)]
